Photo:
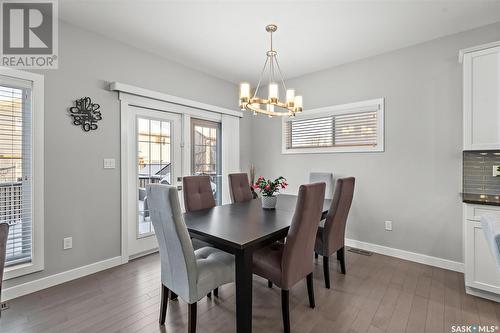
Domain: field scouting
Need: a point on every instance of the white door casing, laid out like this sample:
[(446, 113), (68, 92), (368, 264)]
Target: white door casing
[(131, 97)]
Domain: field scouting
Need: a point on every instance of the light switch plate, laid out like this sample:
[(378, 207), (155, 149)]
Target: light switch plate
[(109, 163), (388, 225), (67, 243)]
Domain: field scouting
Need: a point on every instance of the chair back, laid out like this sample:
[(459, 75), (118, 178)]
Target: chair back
[(323, 177), (198, 193), (297, 260), (239, 187), (178, 263), (336, 220), (4, 233)]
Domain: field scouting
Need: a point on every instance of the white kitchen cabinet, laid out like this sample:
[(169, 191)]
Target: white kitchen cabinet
[(481, 97), (482, 276)]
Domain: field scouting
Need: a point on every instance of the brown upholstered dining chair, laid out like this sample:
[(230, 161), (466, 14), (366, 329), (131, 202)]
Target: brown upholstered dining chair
[(330, 238), (285, 264), (239, 187), (4, 233), (198, 193)]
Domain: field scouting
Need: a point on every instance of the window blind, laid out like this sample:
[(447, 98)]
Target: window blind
[(352, 128), (16, 168)]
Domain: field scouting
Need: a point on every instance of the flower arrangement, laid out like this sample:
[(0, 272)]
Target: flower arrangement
[(268, 188)]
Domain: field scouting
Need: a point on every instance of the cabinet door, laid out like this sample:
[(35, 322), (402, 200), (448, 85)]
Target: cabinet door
[(481, 80), (481, 271)]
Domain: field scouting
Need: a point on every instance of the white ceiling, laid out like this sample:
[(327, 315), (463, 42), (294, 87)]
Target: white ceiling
[(228, 40)]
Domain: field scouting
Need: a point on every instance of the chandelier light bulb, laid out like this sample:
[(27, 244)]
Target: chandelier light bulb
[(298, 104), (273, 92), (244, 91), (290, 97)]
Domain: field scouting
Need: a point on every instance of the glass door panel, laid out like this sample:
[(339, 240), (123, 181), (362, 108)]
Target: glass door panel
[(153, 164), (206, 153)]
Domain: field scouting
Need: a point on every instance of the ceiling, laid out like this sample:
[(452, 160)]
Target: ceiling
[(227, 38)]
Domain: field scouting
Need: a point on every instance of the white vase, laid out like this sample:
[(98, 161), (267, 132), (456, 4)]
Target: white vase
[(269, 202)]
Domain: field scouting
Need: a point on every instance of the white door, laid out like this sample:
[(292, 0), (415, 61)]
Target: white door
[(154, 157)]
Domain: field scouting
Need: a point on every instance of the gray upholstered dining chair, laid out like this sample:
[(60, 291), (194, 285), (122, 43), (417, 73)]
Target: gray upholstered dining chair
[(323, 177), (4, 233), (188, 273), (330, 238), (285, 264), (239, 187)]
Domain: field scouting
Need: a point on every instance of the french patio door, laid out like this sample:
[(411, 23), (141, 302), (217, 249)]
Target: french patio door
[(154, 158)]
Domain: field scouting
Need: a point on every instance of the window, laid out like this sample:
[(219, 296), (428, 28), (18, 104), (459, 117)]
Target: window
[(355, 127), (206, 153), (20, 176)]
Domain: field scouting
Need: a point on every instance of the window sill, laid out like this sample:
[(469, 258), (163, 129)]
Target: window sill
[(20, 270), (377, 149)]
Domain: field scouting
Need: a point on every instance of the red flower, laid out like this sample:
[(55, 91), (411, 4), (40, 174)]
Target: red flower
[(268, 187)]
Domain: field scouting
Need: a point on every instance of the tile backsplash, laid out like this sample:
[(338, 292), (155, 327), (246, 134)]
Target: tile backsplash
[(478, 169)]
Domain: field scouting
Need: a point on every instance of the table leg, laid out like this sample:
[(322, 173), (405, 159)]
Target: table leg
[(244, 291)]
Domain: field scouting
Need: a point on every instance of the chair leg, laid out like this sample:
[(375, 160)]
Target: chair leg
[(216, 292), (341, 258), (316, 255), (192, 318), (326, 271), (310, 290), (173, 296), (163, 305), (285, 309), (269, 284)]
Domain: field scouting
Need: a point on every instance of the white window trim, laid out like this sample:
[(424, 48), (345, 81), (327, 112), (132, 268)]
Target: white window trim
[(338, 110), (37, 261)]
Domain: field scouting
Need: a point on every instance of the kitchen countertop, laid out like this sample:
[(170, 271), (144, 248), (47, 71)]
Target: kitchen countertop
[(481, 199)]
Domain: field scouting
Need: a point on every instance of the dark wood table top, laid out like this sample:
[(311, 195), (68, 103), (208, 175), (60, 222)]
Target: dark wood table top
[(242, 225)]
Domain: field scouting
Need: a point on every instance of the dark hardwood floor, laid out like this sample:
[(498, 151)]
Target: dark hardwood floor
[(378, 294)]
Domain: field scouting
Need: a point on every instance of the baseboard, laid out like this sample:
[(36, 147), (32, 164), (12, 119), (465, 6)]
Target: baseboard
[(483, 294), (407, 255), (52, 280)]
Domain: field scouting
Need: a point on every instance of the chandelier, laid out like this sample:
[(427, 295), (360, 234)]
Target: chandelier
[(272, 106)]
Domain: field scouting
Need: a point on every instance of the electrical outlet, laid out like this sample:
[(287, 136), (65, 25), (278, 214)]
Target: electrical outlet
[(109, 163), (388, 225), (67, 243)]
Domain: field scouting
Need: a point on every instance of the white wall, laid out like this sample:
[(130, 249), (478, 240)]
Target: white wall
[(82, 199), (416, 182)]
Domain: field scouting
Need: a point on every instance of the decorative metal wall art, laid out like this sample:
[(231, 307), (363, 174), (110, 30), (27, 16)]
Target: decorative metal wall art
[(85, 114)]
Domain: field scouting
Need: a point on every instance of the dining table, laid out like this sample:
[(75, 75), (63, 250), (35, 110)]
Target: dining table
[(240, 229)]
